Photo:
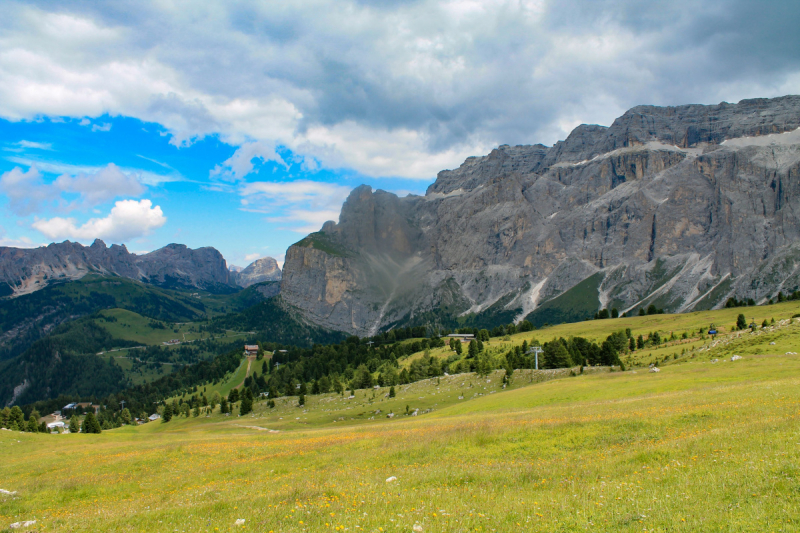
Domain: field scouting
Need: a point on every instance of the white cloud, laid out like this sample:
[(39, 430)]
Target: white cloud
[(100, 187), (35, 145), (302, 205), (29, 193), (105, 127), (389, 89), (26, 191), (240, 164), (252, 257), (127, 220)]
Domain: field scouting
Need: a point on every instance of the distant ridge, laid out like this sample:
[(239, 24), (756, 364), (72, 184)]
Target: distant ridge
[(23, 271)]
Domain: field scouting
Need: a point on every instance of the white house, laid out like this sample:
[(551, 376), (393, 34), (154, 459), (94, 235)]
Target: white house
[(154, 417)]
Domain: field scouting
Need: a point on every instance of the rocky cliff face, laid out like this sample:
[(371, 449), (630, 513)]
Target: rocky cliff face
[(264, 269), (26, 270), (682, 207)]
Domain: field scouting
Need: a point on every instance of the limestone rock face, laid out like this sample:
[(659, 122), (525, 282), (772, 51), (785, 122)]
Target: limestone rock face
[(681, 207), (26, 270), (264, 269)]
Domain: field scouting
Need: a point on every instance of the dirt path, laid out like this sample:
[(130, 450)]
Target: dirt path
[(250, 359)]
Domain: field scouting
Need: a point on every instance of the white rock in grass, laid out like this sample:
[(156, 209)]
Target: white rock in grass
[(239, 522), (735, 357), (7, 492), (390, 479), (417, 528), (17, 525), (655, 369)]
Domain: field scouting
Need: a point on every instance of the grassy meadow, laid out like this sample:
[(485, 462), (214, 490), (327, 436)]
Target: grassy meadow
[(706, 444)]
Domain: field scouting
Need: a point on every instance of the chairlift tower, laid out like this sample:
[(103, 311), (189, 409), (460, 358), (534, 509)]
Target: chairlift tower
[(536, 350)]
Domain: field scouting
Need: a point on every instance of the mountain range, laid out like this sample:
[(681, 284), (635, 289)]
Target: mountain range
[(679, 207), (23, 271)]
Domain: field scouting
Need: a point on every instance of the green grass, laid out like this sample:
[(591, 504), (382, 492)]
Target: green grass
[(699, 446)]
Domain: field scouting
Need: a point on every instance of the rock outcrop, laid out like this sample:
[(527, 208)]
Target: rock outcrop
[(26, 270), (260, 270), (681, 207)]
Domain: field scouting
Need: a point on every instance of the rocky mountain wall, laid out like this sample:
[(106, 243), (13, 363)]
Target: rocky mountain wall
[(682, 207)]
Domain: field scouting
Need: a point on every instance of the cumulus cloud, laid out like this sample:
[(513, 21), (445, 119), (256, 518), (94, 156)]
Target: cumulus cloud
[(302, 205), (127, 220), (28, 192), (388, 89)]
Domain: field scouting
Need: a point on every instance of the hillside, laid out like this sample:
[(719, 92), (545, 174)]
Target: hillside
[(99, 335), (679, 207), (705, 444)]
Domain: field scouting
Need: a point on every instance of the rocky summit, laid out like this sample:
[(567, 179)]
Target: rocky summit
[(260, 270), (23, 271), (680, 207)]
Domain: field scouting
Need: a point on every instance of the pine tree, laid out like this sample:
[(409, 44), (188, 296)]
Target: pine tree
[(33, 422), (5, 415), (459, 349), (74, 425), (167, 416), (125, 416), (302, 400), (233, 396), (473, 348), (391, 392), (223, 406), (247, 401), (16, 419), (90, 424)]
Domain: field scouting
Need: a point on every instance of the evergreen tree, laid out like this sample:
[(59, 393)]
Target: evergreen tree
[(16, 419), (391, 392), (247, 401), (337, 385), (301, 401), (90, 424), (74, 425), (196, 411), (223, 406), (167, 416), (303, 390), (472, 350), (125, 416), (233, 396), (324, 385), (556, 355), (459, 349), (741, 322), (33, 422), (5, 416), (641, 311)]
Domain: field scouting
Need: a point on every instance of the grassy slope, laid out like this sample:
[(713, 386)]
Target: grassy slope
[(698, 446)]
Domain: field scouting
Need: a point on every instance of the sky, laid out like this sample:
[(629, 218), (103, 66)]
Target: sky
[(244, 125)]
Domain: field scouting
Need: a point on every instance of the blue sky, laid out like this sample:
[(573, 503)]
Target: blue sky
[(200, 205), (244, 125)]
